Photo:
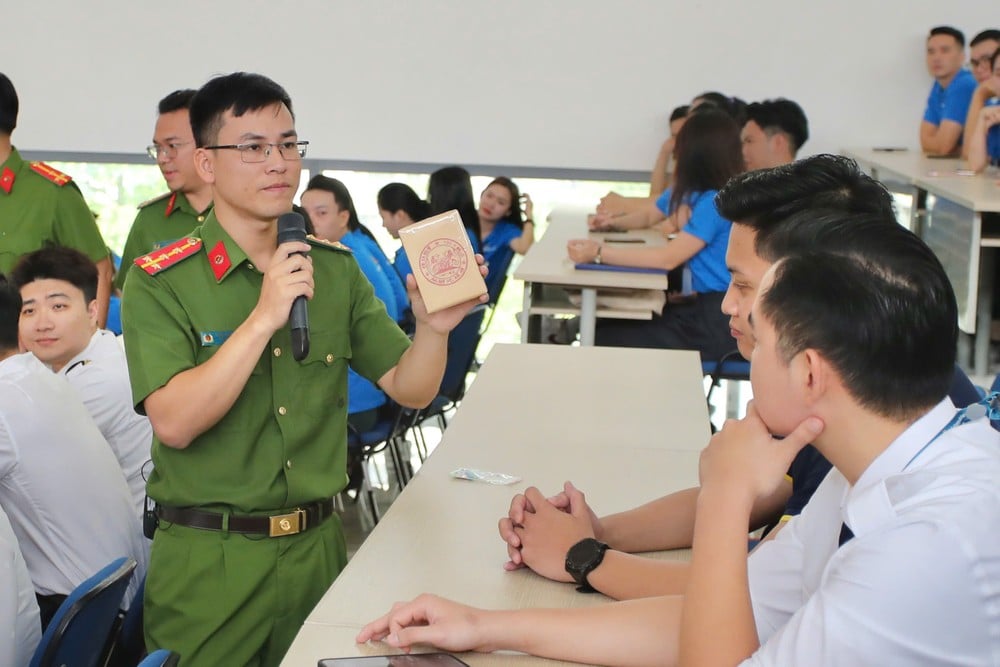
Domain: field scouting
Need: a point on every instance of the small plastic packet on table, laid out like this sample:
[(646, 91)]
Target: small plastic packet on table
[(474, 475)]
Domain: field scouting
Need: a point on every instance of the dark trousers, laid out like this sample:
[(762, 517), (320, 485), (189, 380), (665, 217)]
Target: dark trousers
[(48, 605), (698, 325)]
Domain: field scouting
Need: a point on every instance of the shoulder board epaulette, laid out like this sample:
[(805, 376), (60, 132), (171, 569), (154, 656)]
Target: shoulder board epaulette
[(323, 243), (154, 200), (167, 256), (51, 173)]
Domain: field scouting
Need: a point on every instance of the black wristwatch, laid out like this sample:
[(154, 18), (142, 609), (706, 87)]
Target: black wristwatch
[(582, 559)]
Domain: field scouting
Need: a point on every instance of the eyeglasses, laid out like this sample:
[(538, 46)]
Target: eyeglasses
[(170, 150), (982, 61), (259, 151)]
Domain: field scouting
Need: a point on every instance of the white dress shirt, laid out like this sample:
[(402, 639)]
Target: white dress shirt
[(100, 375), (20, 629), (920, 582), (60, 484)]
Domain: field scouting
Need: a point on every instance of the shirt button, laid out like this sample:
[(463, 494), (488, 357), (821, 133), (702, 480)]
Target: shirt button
[(201, 218), (282, 410), (277, 351), (250, 266), (329, 358), (288, 463)]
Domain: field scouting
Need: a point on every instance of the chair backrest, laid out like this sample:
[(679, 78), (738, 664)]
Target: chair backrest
[(160, 658), (497, 276), (130, 645), (78, 633), (462, 344), (962, 392)]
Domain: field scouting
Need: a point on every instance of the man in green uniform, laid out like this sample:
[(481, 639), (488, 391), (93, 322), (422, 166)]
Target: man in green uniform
[(39, 205), (250, 445), (164, 219)]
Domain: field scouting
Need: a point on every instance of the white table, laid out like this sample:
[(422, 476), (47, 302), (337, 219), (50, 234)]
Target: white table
[(547, 264), (625, 425)]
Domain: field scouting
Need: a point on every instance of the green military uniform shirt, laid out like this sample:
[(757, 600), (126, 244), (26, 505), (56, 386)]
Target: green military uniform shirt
[(36, 209), (283, 442), (160, 222)]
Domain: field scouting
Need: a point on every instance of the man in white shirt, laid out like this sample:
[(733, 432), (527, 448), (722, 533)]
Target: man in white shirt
[(60, 484), (58, 324), (854, 352), (18, 609)]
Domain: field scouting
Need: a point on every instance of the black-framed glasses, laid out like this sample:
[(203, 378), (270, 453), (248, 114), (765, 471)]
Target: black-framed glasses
[(168, 150), (981, 61), (259, 151)]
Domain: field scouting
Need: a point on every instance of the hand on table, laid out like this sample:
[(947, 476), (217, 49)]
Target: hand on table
[(429, 619), (582, 250)]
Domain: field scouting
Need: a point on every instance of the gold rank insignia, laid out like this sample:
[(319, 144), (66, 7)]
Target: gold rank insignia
[(167, 256), (51, 173), (323, 243)]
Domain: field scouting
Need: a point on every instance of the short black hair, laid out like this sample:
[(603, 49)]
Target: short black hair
[(990, 34), (765, 199), (733, 106), (10, 313), (679, 112), (395, 197), (951, 32), (884, 316), (175, 101), (58, 263), (238, 92), (9, 105), (780, 115)]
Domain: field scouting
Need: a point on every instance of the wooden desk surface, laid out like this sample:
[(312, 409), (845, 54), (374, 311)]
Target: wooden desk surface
[(531, 413)]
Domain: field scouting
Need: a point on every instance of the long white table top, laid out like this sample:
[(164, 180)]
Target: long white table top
[(625, 425)]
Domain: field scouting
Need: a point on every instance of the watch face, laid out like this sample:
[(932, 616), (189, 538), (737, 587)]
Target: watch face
[(582, 555)]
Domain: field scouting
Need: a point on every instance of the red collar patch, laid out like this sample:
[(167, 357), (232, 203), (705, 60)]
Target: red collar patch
[(170, 205), (7, 179), (219, 260)]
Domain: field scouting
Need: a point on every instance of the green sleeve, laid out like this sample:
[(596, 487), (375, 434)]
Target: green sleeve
[(75, 225), (377, 342), (157, 330)]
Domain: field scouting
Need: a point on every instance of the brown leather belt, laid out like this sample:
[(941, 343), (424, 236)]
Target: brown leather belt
[(276, 525)]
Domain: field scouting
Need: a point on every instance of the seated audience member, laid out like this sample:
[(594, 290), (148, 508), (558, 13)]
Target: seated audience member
[(451, 188), (889, 561), (334, 218), (58, 324), (981, 50), (733, 106), (708, 155), (948, 101), (60, 484), (506, 228), (399, 206), (983, 138), (18, 607), (773, 133), (778, 212)]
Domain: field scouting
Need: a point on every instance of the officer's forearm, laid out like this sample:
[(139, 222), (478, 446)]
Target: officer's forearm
[(415, 380), (104, 273)]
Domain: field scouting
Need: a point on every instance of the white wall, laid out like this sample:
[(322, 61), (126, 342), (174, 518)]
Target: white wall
[(522, 83)]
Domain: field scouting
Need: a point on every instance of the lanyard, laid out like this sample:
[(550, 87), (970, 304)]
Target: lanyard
[(987, 407)]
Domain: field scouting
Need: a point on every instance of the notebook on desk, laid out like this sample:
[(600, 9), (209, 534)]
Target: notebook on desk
[(586, 266)]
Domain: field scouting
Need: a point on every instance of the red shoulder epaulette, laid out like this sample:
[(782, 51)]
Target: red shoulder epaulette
[(51, 173), (323, 243), (167, 256)]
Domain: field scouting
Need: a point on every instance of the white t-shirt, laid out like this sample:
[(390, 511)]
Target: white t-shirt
[(60, 484), (920, 582), (20, 630), (100, 374)]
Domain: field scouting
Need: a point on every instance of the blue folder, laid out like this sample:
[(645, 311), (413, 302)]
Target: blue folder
[(625, 269)]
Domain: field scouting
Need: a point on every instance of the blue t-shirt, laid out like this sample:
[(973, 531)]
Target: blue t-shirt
[(385, 266), (951, 103), (993, 136), (402, 262), (708, 266), (498, 254), (363, 394)]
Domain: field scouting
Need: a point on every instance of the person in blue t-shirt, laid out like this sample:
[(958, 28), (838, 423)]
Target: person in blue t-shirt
[(506, 229), (451, 188), (948, 101), (399, 206), (333, 217), (984, 139), (708, 155)]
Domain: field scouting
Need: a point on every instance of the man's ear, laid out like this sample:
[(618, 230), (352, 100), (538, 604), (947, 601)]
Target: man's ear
[(204, 164), (92, 312), (813, 375)]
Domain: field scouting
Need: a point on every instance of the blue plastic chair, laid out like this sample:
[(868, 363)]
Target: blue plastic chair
[(130, 645), (387, 435), (160, 658), (78, 634)]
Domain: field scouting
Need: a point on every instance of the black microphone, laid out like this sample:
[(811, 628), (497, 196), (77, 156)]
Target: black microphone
[(292, 227)]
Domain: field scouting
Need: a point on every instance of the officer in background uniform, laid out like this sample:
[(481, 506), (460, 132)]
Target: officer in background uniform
[(164, 219), (39, 205), (250, 445)]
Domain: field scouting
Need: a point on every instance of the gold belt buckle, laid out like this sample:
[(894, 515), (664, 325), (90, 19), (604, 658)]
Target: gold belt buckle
[(288, 524)]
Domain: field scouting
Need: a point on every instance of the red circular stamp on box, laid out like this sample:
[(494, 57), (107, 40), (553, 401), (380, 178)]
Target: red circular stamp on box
[(443, 262)]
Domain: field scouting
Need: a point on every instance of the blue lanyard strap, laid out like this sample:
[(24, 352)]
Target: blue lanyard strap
[(989, 407)]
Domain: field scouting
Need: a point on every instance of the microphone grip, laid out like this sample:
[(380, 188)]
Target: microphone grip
[(300, 335), (292, 227)]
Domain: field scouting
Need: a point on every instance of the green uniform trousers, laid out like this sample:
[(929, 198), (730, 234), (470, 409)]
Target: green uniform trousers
[(221, 598)]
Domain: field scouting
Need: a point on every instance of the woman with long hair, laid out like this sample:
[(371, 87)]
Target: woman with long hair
[(507, 228)]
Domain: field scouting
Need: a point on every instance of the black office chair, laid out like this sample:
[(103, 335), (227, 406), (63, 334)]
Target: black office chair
[(79, 633)]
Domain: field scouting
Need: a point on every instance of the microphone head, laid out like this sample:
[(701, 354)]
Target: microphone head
[(291, 227)]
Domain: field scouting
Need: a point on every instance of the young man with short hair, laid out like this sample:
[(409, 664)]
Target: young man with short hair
[(773, 133), (58, 324), (893, 561), (60, 484), (164, 219), (948, 101), (983, 50), (250, 444), (40, 205)]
